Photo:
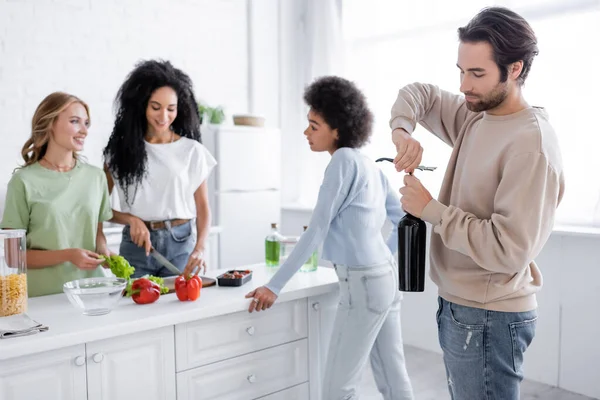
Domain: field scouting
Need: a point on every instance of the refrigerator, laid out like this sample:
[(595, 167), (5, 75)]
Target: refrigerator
[(244, 190)]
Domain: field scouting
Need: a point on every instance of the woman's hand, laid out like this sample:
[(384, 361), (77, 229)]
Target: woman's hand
[(196, 260), (103, 250), (262, 299), (140, 235), (84, 259)]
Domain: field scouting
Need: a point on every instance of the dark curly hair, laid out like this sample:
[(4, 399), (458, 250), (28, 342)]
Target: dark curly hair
[(344, 107), (510, 36), (125, 154)]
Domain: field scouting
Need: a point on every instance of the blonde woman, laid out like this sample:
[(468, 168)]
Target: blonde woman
[(59, 200)]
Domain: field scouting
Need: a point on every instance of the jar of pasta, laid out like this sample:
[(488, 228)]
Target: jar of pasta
[(13, 272)]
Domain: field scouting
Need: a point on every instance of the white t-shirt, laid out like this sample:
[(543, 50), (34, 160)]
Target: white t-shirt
[(175, 171)]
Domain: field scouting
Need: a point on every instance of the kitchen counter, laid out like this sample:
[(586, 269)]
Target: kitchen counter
[(68, 326), (210, 349)]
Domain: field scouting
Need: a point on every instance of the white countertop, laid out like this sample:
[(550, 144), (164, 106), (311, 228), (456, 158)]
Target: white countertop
[(69, 327)]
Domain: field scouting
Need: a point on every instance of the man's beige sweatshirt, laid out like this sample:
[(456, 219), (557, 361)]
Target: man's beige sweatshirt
[(497, 202)]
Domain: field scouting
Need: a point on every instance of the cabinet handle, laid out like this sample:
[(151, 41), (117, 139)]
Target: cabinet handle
[(79, 361), (98, 357), (316, 306), (251, 378), (250, 330)]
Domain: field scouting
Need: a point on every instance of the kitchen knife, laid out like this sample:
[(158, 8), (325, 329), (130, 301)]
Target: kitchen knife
[(163, 261)]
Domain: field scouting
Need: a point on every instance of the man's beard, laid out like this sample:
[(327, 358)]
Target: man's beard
[(490, 101)]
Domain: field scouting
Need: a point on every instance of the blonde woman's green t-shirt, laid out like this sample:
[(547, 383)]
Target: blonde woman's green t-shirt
[(59, 210)]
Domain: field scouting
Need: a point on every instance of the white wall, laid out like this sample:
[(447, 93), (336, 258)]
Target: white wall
[(88, 47), (230, 49), (265, 63), (566, 349)]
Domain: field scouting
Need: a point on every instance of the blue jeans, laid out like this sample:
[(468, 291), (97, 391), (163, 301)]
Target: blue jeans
[(175, 243), (367, 326), (483, 350)]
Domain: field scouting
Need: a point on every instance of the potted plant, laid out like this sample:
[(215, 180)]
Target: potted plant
[(211, 115)]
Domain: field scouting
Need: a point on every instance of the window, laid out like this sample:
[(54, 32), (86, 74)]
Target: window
[(393, 43)]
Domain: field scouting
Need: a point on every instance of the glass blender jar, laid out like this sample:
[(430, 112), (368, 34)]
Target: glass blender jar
[(13, 272)]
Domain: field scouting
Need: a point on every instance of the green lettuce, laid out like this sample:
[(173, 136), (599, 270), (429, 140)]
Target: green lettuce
[(119, 266), (160, 282)]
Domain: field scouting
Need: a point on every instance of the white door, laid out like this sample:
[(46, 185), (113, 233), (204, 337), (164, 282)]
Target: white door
[(321, 315), (136, 366), (245, 219), (53, 375)]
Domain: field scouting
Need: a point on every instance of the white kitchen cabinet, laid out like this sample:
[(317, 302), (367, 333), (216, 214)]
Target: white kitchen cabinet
[(247, 377), (244, 146), (246, 218), (222, 351), (580, 321), (211, 252), (52, 375), (126, 367), (299, 392), (140, 365), (203, 342), (114, 235), (245, 200), (321, 315)]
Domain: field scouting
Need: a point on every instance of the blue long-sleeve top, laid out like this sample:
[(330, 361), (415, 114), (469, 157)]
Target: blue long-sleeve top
[(355, 200)]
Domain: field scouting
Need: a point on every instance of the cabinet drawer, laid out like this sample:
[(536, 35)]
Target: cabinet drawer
[(299, 392), (216, 339), (247, 377)]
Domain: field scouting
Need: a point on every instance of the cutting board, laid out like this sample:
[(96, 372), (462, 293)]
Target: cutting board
[(206, 282)]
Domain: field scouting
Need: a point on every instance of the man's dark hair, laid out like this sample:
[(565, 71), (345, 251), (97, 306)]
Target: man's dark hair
[(343, 106), (509, 34)]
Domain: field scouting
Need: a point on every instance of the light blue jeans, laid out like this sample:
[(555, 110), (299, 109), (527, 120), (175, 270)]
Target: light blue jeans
[(175, 243), (367, 324), (483, 350)]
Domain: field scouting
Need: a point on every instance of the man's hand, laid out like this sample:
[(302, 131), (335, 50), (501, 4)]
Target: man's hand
[(409, 151), (414, 196)]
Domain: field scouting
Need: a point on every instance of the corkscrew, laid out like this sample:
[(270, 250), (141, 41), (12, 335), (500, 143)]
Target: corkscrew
[(420, 167)]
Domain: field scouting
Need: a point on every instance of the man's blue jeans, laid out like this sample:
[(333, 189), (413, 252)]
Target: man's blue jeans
[(483, 350)]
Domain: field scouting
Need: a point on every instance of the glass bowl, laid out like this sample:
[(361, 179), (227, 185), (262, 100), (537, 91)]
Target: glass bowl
[(95, 296)]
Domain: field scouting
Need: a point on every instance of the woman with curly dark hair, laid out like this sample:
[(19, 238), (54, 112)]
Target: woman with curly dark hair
[(354, 202), (155, 159)]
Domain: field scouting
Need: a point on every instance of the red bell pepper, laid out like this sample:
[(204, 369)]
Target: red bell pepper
[(143, 291), (188, 289)]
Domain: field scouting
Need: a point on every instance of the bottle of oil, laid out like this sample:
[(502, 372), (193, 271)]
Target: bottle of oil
[(312, 262), (272, 247)]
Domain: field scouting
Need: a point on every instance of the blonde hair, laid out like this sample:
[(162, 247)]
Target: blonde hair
[(44, 117)]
